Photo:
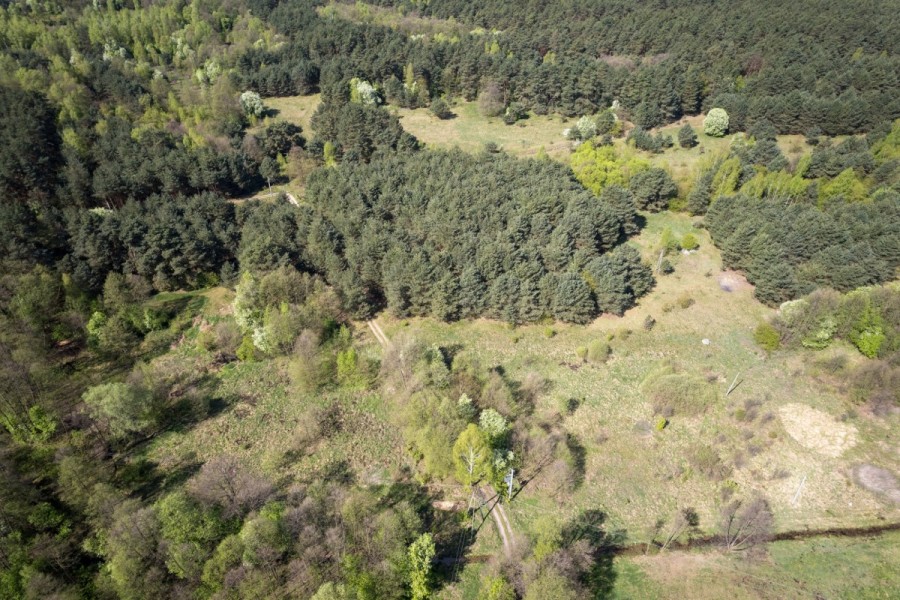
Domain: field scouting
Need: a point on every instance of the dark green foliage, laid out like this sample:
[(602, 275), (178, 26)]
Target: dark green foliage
[(440, 109), (643, 140), (280, 137), (652, 189), (358, 131), (787, 249), (687, 137), (172, 243), (433, 233), (618, 279), (573, 301), (30, 155)]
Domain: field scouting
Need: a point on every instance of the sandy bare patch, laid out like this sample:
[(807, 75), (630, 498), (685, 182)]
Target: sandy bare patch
[(816, 430), (878, 480), (732, 281)]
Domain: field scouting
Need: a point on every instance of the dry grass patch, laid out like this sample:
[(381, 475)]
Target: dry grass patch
[(816, 430)]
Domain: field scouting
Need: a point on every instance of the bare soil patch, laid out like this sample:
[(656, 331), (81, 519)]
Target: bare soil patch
[(877, 480)]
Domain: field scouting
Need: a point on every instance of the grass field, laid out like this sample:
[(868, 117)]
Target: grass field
[(821, 568)]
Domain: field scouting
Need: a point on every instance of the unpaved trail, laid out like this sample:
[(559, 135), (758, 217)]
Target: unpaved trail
[(378, 333), (498, 513)]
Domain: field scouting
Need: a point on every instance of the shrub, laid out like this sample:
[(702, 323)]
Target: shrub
[(767, 337), (441, 109), (685, 301), (581, 352), (514, 112), (598, 352), (716, 122), (707, 462), (687, 137), (661, 423), (689, 242), (247, 350), (672, 392)]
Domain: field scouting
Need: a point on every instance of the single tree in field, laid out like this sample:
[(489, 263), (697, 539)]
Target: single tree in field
[(441, 109), (687, 137), (716, 122), (252, 104), (121, 408), (746, 524)]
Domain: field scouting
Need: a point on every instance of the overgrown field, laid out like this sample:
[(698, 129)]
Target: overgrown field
[(785, 422)]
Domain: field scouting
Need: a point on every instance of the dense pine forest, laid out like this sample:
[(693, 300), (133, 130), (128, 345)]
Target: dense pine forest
[(672, 332)]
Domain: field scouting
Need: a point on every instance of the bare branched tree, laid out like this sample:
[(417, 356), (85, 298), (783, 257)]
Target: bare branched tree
[(746, 524)]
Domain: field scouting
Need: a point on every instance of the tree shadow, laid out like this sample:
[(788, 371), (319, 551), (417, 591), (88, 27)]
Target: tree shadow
[(579, 459), (600, 577)]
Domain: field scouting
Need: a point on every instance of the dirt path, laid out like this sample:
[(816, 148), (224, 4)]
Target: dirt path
[(498, 514), (288, 195), (378, 333)]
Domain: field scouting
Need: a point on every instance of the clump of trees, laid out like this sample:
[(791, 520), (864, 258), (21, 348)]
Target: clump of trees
[(787, 249), (431, 233)]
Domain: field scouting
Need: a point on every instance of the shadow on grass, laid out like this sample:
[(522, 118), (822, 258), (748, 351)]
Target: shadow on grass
[(600, 576)]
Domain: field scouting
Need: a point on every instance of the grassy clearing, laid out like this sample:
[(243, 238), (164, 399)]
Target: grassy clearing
[(294, 109), (470, 131), (636, 474), (820, 568)]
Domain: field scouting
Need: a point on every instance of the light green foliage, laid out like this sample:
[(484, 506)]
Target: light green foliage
[(189, 531), (846, 185), (363, 92), (689, 241), (497, 588), (550, 584), (716, 122), (547, 538), (226, 556), (472, 456), (821, 336), (493, 424), (124, 409), (776, 184), (263, 536), (252, 104), (889, 148), (421, 553), (332, 591), (667, 241), (868, 332), (598, 167), (661, 423), (767, 337), (349, 371), (725, 180)]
